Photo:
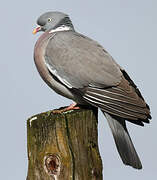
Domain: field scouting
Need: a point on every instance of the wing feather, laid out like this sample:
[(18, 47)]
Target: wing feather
[(121, 101), (82, 64), (80, 61)]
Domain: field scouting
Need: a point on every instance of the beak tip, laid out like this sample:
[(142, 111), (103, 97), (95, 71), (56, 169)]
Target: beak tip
[(36, 30)]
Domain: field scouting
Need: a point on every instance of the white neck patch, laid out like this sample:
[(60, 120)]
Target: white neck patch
[(61, 28)]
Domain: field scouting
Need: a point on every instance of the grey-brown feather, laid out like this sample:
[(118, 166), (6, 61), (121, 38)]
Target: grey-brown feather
[(117, 103), (81, 61), (123, 142)]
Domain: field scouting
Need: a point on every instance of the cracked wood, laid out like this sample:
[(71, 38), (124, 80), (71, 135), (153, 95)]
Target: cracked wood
[(63, 146)]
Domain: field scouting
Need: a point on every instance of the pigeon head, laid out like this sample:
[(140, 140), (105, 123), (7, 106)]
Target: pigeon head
[(53, 20)]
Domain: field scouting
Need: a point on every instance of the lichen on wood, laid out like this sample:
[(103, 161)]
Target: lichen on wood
[(63, 146)]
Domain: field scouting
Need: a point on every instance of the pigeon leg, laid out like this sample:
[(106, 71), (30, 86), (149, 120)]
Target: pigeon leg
[(69, 108)]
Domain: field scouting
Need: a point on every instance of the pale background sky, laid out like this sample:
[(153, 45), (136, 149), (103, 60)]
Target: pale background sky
[(126, 28)]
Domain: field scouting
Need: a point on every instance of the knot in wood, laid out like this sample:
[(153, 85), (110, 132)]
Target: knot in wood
[(52, 164)]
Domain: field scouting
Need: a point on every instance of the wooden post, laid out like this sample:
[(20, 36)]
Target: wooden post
[(64, 146)]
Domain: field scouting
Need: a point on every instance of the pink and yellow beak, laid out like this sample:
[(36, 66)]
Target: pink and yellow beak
[(36, 30)]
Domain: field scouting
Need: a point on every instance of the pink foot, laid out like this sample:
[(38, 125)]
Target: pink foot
[(71, 107)]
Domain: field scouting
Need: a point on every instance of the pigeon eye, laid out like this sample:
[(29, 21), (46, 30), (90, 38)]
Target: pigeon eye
[(49, 20)]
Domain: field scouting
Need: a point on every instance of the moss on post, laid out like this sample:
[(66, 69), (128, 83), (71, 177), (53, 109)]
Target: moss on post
[(63, 146)]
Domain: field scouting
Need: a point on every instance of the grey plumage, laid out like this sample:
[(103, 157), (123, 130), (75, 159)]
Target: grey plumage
[(64, 50), (123, 142), (78, 68)]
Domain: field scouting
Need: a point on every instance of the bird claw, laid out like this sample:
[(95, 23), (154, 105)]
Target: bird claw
[(69, 108)]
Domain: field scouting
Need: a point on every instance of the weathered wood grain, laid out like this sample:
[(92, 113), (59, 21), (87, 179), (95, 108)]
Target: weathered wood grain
[(63, 146)]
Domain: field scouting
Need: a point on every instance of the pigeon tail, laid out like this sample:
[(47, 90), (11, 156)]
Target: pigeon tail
[(123, 142)]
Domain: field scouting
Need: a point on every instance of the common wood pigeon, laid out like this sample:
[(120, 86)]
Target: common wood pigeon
[(79, 68)]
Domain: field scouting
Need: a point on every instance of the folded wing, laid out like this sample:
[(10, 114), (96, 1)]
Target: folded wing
[(121, 100)]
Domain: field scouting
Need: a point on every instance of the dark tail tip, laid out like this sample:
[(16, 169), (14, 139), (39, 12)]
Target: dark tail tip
[(123, 142)]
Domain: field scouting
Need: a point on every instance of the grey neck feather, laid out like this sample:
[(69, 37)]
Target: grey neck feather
[(65, 22)]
